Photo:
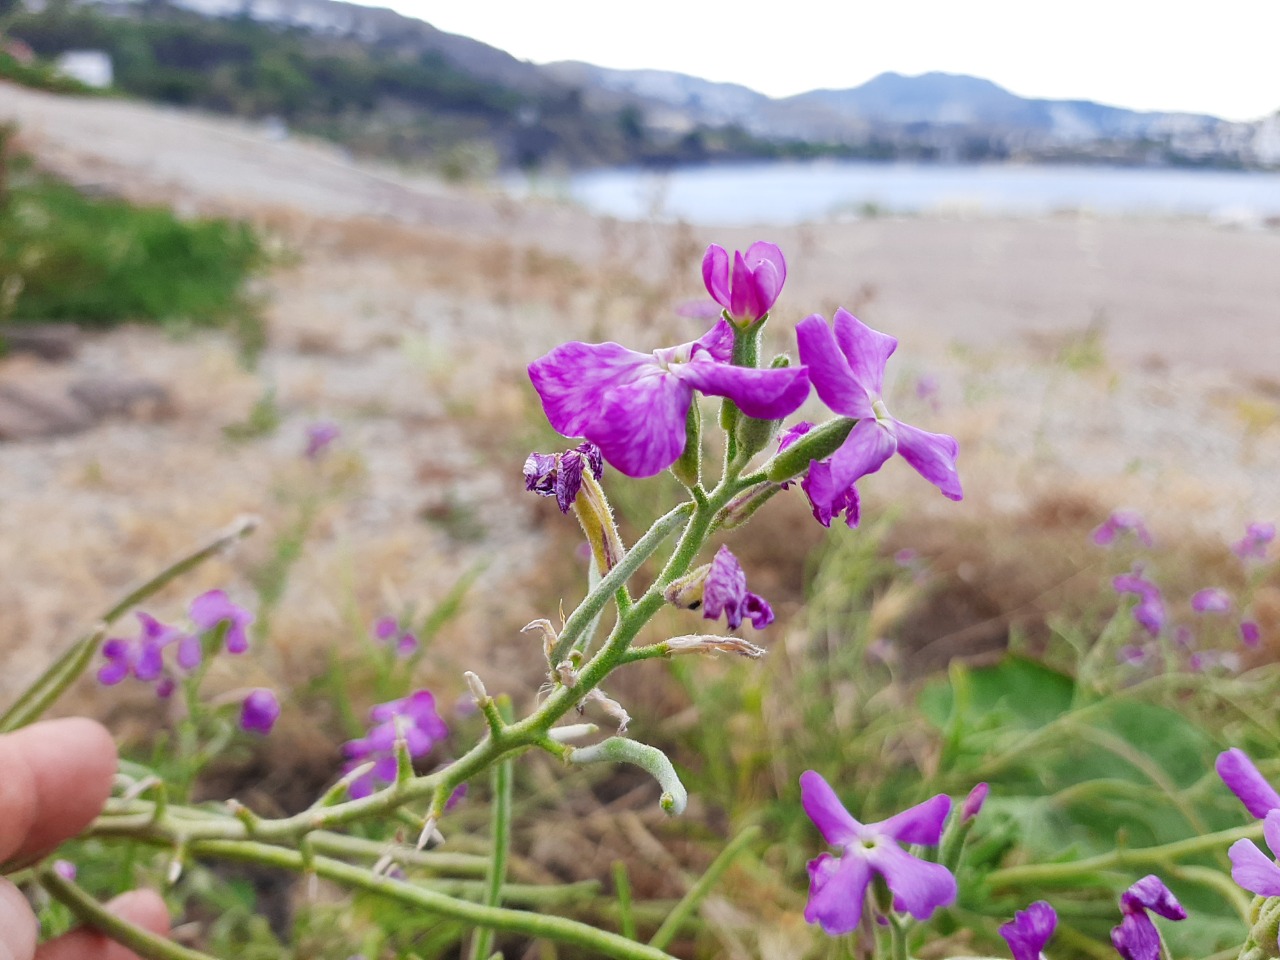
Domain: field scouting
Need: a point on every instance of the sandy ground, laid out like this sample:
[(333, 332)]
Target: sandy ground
[(1132, 361)]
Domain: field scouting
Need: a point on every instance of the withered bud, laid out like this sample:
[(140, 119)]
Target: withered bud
[(709, 644)]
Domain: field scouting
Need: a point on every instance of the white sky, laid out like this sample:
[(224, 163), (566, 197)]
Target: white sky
[(1220, 57)]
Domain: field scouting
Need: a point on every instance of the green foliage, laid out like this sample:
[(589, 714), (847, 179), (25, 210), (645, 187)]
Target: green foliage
[(39, 76), (101, 261)]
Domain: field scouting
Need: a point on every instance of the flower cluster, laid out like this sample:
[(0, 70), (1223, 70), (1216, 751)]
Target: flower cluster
[(388, 633), (413, 719)]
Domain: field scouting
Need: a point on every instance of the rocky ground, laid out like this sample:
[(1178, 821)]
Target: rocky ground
[(1124, 362)]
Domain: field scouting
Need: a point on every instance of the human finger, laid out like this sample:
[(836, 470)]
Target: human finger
[(17, 924), (143, 908), (56, 777)]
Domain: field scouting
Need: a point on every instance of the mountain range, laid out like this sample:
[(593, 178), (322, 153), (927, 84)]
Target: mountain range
[(446, 89)]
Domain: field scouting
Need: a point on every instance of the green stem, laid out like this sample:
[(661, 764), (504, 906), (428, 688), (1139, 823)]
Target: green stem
[(1145, 856), (897, 937), (93, 914), (64, 671), (622, 886), (601, 942), (698, 892), (482, 942)]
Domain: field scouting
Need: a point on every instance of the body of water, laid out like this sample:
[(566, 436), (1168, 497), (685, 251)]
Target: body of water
[(786, 193)]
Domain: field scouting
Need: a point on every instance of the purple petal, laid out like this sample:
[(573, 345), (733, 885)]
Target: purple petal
[(920, 824), (863, 452), (1250, 634), (829, 370), (641, 428), (837, 888), (792, 434), (762, 252), (1030, 931), (973, 802), (1243, 779), (1254, 870), (724, 589), (576, 379), (1150, 893), (741, 295), (1211, 600), (150, 662), (826, 811), (919, 887), (386, 626), (1136, 938), (259, 712), (757, 610), (361, 787), (189, 652), (1271, 830), (762, 394), (867, 350), (715, 274), (829, 499), (933, 455), (113, 672), (1150, 614), (718, 341)]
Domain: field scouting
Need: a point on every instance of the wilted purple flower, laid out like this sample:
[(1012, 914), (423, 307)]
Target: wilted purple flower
[(1253, 869), (837, 885), (415, 718), (259, 711), (1149, 612), (386, 630), (1211, 600), (1030, 931), (1136, 938), (846, 365), (1122, 521), (1253, 546), (1250, 634), (1243, 779), (319, 435), (65, 869), (725, 592), (559, 475), (210, 609), (972, 805), (748, 288), (143, 657), (634, 405)]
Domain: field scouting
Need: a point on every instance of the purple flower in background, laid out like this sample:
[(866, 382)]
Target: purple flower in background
[(459, 794), (210, 609), (65, 869), (1243, 779), (1250, 634), (927, 389), (1122, 521), (706, 310), (415, 718), (634, 405), (725, 592), (259, 711), (748, 286), (846, 365), (972, 805), (386, 630), (1251, 868), (319, 435), (1131, 654), (1253, 546), (1030, 931), (143, 657), (559, 475), (1211, 600), (1136, 938), (1149, 612), (838, 885)]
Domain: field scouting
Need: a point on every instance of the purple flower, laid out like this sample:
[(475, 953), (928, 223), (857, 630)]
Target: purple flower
[(1250, 634), (1030, 931), (459, 794), (1131, 654), (1254, 544), (634, 405), (725, 592), (143, 657), (1136, 938), (1211, 600), (749, 288), (1122, 521), (1149, 612), (1253, 869), (846, 365), (972, 805), (65, 869), (319, 435), (1243, 779), (838, 885), (386, 630), (559, 475), (259, 711), (210, 609), (415, 718)]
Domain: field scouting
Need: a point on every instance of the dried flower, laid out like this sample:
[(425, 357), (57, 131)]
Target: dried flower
[(559, 475)]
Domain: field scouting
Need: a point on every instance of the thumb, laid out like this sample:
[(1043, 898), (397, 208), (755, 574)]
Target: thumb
[(144, 908)]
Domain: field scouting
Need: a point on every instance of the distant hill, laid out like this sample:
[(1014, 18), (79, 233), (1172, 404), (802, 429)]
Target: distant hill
[(388, 84)]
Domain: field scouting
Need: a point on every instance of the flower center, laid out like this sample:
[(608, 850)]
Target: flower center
[(881, 411)]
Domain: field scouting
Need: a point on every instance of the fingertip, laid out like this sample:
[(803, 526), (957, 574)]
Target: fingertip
[(17, 924), (143, 908)]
